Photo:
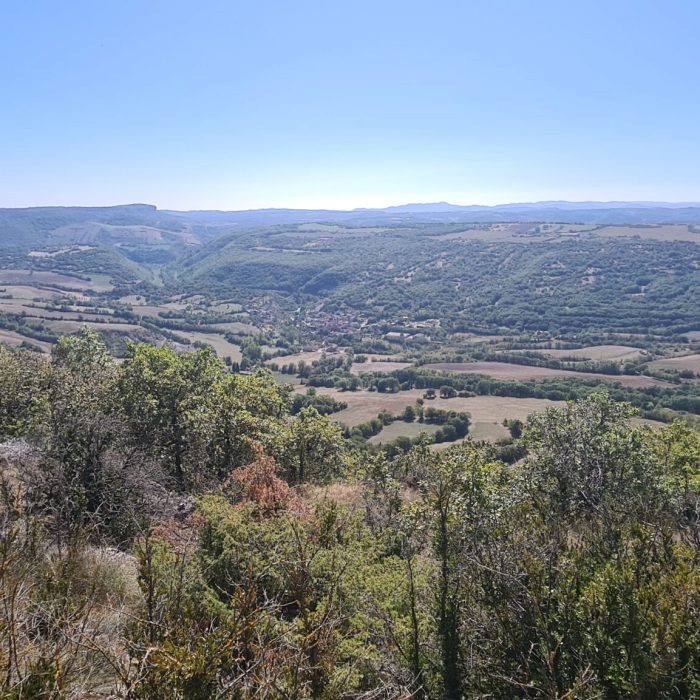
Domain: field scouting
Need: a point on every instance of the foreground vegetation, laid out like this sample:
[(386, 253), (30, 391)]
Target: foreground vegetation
[(172, 530)]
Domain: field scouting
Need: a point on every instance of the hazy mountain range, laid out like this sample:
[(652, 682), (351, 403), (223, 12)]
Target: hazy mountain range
[(139, 224), (443, 212)]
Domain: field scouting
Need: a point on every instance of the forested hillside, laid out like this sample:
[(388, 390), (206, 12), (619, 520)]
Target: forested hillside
[(173, 529)]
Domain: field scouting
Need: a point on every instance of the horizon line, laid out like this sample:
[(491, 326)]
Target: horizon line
[(613, 203)]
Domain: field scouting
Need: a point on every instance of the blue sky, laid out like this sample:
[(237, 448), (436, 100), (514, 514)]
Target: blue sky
[(232, 105)]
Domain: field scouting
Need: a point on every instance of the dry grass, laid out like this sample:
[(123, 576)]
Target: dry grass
[(683, 362), (473, 339), (400, 428), (63, 327), (308, 357), (222, 347), (490, 432), (654, 424), (237, 327), (679, 232), (365, 367), (343, 493), (508, 371), (365, 405), (15, 339), (597, 353), (36, 312), (150, 311), (28, 292), (42, 277)]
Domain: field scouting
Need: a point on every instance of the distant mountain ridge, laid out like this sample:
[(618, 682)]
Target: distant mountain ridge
[(144, 224), (617, 212)]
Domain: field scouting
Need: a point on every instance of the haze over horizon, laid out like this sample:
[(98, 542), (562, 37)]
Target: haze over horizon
[(229, 106)]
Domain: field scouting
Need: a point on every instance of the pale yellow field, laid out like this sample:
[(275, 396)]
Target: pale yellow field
[(308, 357), (236, 327), (490, 432), (365, 405), (598, 353), (27, 292), (472, 339), (400, 428), (657, 233), (364, 367), (15, 339), (149, 311), (222, 347), (42, 277), (683, 362), (65, 327), (227, 308), (19, 306), (510, 371)]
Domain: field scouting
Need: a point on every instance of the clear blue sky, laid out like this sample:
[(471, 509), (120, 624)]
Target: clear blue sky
[(227, 104)]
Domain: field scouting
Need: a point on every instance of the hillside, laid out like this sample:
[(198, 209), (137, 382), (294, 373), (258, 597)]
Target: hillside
[(119, 225)]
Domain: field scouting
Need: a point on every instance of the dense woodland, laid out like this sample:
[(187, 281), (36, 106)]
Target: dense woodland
[(171, 529)]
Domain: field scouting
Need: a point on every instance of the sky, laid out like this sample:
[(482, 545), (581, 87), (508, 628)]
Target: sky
[(319, 104)]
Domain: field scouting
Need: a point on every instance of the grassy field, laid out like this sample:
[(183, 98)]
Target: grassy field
[(490, 432), (33, 310), (28, 292), (683, 362), (67, 327), (400, 428), (597, 353), (40, 278), (656, 233), (484, 410), (508, 371), (222, 347), (364, 367), (308, 357), (15, 339), (236, 327)]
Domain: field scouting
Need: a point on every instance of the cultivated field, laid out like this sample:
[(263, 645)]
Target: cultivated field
[(27, 293), (400, 428), (15, 339), (656, 233), (41, 278), (67, 327), (683, 362), (222, 347), (597, 353), (490, 432), (236, 327), (308, 357), (508, 371), (485, 411), (365, 367)]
